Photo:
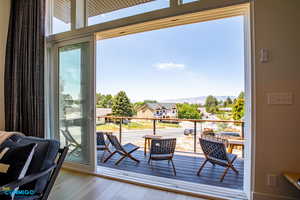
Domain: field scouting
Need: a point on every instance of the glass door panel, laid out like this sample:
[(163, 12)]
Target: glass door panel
[(74, 101)]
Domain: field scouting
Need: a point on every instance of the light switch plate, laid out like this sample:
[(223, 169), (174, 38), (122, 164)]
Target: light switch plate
[(272, 180), (264, 55), (280, 98)]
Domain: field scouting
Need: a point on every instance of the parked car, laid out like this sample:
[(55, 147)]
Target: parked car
[(188, 131)]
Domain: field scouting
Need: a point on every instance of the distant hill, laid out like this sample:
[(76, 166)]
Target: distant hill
[(194, 100)]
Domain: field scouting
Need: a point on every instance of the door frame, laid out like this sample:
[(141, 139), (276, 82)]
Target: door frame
[(53, 94), (249, 92), (125, 26)]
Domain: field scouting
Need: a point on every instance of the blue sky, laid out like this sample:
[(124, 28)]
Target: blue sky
[(184, 61), (180, 62)]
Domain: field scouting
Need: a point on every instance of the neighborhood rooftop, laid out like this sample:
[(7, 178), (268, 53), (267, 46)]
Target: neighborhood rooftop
[(156, 106)]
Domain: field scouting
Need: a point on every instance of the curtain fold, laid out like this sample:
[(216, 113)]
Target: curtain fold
[(24, 68)]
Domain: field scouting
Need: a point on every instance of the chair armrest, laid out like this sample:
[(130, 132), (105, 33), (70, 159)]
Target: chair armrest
[(27, 179)]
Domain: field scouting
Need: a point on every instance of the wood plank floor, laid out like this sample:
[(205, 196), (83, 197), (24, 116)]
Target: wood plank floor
[(77, 186), (186, 167)]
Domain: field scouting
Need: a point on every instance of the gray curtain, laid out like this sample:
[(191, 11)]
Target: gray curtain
[(24, 68)]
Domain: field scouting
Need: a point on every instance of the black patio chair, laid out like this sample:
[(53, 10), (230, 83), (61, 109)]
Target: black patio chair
[(124, 150), (71, 142), (102, 145), (42, 171), (214, 150), (163, 149)]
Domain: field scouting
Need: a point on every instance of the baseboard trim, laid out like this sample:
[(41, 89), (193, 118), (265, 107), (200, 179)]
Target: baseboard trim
[(267, 196)]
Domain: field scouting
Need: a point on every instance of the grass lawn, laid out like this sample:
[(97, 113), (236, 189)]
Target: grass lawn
[(135, 125)]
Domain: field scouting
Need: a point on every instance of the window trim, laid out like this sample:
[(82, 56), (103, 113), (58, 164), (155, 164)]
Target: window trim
[(209, 9), (204, 10)]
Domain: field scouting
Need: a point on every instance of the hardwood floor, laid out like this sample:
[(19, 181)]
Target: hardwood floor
[(77, 186)]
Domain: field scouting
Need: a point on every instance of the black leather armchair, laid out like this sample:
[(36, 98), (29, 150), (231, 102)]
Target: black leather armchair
[(42, 172)]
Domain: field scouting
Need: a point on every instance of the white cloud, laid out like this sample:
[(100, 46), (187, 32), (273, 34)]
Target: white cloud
[(169, 66)]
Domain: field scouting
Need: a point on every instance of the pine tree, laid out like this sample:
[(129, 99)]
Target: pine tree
[(211, 104), (238, 110), (229, 101), (121, 105)]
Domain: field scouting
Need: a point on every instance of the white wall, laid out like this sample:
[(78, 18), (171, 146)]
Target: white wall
[(4, 19), (277, 147)]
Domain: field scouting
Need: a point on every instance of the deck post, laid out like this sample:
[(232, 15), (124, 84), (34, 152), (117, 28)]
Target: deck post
[(201, 128), (120, 130), (154, 127), (243, 131), (195, 136), (243, 137)]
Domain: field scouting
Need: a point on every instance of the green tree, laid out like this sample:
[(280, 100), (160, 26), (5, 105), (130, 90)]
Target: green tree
[(238, 110), (228, 102), (98, 98), (121, 105), (104, 101), (211, 104), (150, 101), (241, 95), (188, 111)]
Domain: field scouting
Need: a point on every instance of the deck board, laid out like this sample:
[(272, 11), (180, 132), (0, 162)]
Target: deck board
[(186, 168)]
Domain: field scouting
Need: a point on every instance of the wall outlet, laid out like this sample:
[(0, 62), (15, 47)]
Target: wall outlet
[(272, 180)]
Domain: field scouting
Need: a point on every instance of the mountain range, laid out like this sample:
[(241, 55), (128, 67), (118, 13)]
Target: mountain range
[(194, 100)]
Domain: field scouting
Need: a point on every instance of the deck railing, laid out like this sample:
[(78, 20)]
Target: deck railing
[(120, 121)]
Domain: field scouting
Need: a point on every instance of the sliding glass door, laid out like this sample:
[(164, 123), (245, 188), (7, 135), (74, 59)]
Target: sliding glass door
[(74, 101)]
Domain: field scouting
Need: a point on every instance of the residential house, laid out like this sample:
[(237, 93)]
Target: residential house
[(158, 110), (102, 112)]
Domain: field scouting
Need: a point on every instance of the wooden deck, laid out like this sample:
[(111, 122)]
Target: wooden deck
[(186, 165)]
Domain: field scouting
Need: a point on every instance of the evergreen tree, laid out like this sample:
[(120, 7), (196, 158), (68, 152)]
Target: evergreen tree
[(238, 110), (211, 104), (228, 102), (121, 105), (241, 95), (104, 101)]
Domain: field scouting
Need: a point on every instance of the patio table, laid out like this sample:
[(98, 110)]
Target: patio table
[(148, 139), (233, 143)]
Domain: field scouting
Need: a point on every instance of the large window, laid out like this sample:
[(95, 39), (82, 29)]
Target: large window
[(103, 11), (181, 82), (164, 68), (61, 16)]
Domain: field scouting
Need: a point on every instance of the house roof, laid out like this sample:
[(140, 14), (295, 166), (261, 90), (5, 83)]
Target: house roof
[(62, 8), (156, 106)]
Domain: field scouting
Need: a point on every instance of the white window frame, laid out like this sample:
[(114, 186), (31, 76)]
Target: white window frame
[(175, 15)]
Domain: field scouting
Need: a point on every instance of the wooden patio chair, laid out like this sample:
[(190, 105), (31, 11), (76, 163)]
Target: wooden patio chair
[(71, 142), (124, 150), (102, 145), (214, 150), (163, 149)]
